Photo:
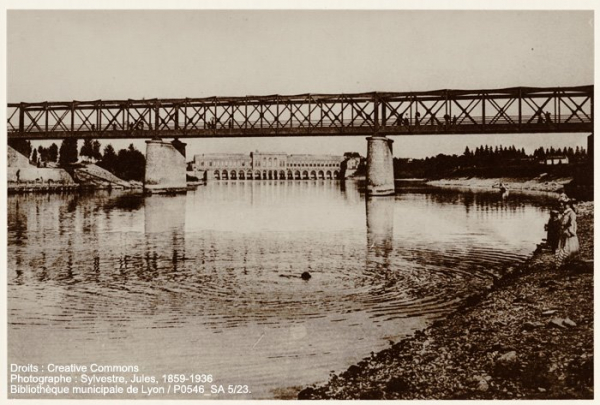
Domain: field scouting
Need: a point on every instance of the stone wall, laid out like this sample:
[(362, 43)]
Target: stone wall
[(40, 175)]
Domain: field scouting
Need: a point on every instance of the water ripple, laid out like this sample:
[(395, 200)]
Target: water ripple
[(216, 274)]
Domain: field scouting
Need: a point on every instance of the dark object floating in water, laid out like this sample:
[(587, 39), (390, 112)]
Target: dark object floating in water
[(305, 276)]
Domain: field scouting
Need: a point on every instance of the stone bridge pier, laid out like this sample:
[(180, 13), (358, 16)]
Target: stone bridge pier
[(380, 166), (165, 167)]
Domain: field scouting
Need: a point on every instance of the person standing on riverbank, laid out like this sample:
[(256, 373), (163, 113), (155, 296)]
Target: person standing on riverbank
[(553, 231), (568, 243)]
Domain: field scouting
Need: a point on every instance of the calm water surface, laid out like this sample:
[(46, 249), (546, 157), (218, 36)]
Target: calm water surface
[(209, 282)]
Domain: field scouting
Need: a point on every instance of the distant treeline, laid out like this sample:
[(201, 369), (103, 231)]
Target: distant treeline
[(485, 161), (127, 164)]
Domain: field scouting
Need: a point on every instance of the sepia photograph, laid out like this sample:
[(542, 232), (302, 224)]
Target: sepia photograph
[(299, 204)]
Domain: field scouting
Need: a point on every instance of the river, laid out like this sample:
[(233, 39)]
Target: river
[(209, 282)]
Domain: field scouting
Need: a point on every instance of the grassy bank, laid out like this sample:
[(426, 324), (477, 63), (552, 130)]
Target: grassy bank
[(529, 336)]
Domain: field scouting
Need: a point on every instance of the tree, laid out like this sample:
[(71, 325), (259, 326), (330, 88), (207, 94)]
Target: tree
[(109, 159), (127, 164), (135, 167), (87, 148), (42, 154), (34, 157), (96, 150), (68, 152), (349, 155), (53, 153)]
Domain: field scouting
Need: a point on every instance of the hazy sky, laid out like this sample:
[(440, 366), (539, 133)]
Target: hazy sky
[(89, 55)]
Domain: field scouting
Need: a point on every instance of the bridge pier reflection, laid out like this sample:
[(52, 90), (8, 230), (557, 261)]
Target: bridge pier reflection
[(164, 226), (380, 231), (380, 166)]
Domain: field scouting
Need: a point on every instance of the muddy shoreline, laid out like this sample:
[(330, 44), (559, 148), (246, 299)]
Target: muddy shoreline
[(528, 336)]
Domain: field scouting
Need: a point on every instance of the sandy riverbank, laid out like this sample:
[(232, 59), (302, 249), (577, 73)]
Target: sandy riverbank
[(529, 336), (537, 184), (534, 184)]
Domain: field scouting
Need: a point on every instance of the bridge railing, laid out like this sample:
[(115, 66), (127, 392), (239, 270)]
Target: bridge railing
[(324, 123), (507, 110)]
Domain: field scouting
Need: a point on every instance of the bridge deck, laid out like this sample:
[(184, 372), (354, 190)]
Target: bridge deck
[(514, 110)]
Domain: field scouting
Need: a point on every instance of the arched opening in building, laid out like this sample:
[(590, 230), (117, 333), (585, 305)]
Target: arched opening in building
[(242, 175), (233, 175), (282, 175), (328, 174), (297, 175), (224, 175), (321, 174), (217, 175), (257, 176), (313, 175), (249, 175), (336, 174), (305, 175), (290, 175)]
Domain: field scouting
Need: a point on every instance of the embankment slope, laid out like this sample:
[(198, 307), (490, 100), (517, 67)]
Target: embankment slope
[(530, 336)]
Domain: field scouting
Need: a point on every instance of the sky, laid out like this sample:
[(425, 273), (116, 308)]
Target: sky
[(63, 55)]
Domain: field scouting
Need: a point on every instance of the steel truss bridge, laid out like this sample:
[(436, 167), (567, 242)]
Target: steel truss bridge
[(511, 110)]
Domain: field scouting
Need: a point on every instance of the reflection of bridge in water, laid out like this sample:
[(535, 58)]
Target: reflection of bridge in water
[(511, 110)]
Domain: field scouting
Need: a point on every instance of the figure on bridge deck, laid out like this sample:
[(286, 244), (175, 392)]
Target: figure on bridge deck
[(540, 116), (400, 119), (454, 120), (548, 117), (417, 117), (446, 120)]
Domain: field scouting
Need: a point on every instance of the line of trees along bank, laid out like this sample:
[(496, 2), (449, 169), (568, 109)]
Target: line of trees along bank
[(127, 164), (487, 161)]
